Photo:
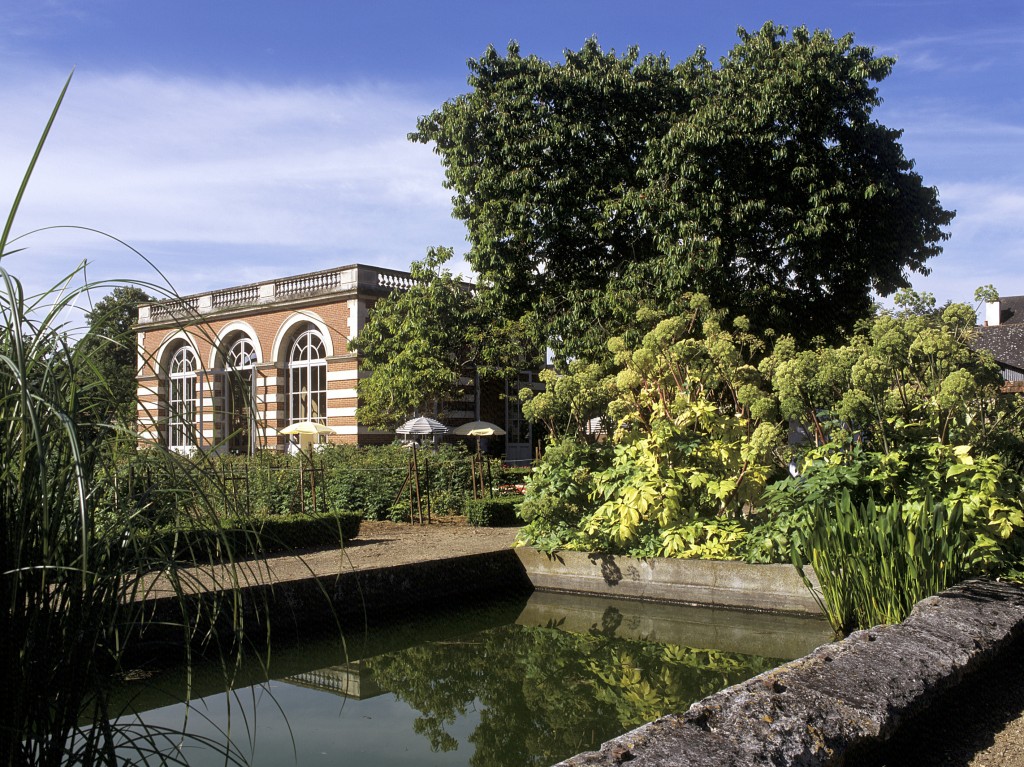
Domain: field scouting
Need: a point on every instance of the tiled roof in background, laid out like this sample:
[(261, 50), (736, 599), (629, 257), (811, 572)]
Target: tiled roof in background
[(1005, 342)]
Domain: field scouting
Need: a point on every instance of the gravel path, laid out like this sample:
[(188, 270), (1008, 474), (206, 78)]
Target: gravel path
[(379, 544), (385, 544)]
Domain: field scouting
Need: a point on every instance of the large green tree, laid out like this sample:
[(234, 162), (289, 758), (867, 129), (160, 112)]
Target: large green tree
[(109, 360), (423, 342), (782, 196), (542, 158), (603, 184)]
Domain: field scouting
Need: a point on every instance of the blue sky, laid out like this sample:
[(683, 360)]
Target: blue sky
[(231, 142)]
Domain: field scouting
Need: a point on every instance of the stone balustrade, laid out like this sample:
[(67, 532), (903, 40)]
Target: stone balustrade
[(355, 279)]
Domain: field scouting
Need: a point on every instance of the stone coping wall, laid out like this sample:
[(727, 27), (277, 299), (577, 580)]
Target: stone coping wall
[(841, 700), (355, 597)]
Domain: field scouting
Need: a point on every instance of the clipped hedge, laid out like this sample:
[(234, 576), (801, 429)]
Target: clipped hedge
[(493, 512), (270, 535), (368, 479)]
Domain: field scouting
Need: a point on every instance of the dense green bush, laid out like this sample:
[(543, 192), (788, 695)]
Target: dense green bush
[(558, 495), (990, 494), (367, 480), (511, 475), (493, 512)]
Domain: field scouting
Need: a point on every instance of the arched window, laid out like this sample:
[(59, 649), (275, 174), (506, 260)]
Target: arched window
[(182, 399), (241, 355), (307, 379), (239, 393)]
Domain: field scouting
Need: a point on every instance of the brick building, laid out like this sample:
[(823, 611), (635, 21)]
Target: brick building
[(226, 370)]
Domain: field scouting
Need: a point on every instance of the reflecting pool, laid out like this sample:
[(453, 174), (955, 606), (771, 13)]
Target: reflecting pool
[(519, 683)]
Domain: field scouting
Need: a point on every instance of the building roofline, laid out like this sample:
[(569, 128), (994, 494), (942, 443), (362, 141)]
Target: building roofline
[(351, 280)]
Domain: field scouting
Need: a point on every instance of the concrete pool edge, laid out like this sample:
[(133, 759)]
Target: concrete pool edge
[(709, 583), (368, 595), (839, 700)]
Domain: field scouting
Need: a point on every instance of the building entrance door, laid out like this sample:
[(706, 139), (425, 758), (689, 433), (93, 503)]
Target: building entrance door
[(518, 431), (239, 411)]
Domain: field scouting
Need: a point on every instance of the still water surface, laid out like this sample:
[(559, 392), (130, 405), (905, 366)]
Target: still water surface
[(514, 684)]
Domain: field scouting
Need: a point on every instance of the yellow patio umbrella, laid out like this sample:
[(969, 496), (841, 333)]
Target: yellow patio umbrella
[(307, 432), (478, 429)]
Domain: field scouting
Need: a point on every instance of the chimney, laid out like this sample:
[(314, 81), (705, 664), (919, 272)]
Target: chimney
[(992, 312)]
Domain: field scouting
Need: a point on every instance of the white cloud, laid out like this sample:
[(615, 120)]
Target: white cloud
[(222, 181), (965, 51), (983, 207), (987, 242), (976, 160)]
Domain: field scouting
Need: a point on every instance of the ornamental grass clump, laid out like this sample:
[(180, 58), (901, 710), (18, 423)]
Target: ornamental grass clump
[(74, 561), (876, 561)]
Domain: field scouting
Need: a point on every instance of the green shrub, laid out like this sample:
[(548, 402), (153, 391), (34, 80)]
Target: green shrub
[(272, 480), (168, 491), (558, 495), (512, 475), (368, 479), (990, 495), (493, 512)]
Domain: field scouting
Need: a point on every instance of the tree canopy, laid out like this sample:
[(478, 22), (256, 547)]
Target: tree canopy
[(108, 352), (603, 184), (421, 343)]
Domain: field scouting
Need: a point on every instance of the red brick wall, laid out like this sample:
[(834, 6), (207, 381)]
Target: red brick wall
[(272, 373)]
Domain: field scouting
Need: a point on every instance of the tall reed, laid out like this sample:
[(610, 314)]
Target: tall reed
[(72, 562), (875, 562)]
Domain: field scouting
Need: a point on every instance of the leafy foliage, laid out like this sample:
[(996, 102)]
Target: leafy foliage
[(364, 480), (570, 402), (905, 415), (368, 479), (493, 512), (558, 495), (875, 562), (109, 357), (780, 190), (693, 449), (422, 342), (602, 185), (541, 158), (910, 377), (251, 538), (990, 496)]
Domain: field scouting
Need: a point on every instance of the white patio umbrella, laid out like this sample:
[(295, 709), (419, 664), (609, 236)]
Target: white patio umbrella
[(422, 425)]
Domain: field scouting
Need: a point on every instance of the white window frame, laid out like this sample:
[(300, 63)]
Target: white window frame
[(307, 378), (240, 361), (182, 399)]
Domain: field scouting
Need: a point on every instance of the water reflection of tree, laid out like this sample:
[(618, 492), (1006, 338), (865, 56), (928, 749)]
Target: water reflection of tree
[(545, 694)]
